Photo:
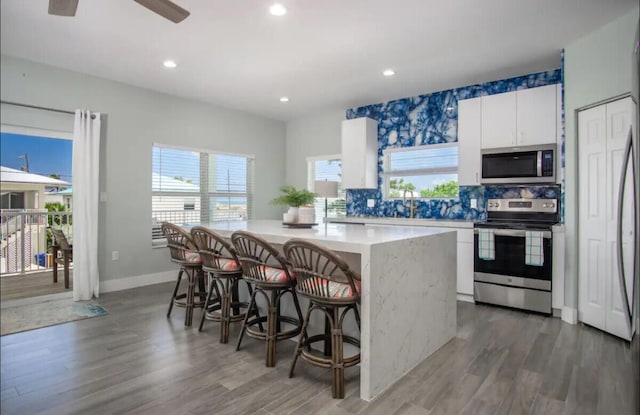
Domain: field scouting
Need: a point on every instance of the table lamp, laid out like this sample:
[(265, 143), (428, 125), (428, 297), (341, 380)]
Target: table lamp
[(326, 189)]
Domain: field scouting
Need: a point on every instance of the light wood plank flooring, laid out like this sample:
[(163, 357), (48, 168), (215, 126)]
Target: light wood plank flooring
[(15, 287), (134, 360)]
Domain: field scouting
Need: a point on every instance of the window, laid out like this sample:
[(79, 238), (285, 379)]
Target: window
[(327, 168), (430, 171), (191, 186), (12, 200)]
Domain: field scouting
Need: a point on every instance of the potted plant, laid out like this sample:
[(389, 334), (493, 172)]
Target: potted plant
[(294, 198)]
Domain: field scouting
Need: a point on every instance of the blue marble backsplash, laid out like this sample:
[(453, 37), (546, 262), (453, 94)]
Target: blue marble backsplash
[(433, 119)]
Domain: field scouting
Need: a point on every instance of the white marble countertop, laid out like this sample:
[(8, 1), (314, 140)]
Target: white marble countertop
[(337, 236), (435, 223)]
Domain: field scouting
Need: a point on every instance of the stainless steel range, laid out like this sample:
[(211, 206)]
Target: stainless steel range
[(513, 252)]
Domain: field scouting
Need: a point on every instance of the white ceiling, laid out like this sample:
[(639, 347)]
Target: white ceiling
[(324, 54)]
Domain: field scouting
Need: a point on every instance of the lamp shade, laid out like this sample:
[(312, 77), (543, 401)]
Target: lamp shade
[(324, 188)]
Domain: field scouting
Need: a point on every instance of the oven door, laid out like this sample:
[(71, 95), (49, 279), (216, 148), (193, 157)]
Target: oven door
[(509, 267)]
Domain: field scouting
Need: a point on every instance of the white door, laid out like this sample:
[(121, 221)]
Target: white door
[(499, 120), (603, 133), (536, 116), (592, 279), (618, 122), (469, 136)]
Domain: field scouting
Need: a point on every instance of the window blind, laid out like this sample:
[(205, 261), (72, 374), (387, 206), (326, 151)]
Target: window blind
[(191, 186), (430, 171)]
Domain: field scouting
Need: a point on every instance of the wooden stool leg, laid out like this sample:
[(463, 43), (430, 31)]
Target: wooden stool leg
[(175, 291), (252, 303), (272, 324), (301, 339), (191, 288), (337, 356), (256, 310), (225, 312), (206, 304)]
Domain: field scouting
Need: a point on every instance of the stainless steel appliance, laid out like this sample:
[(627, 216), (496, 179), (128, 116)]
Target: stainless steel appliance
[(507, 280), (521, 165)]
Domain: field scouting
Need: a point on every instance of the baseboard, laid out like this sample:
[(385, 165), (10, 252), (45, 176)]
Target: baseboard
[(465, 297), (570, 315), (137, 281)]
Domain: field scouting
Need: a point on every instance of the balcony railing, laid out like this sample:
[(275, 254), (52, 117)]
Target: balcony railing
[(25, 240)]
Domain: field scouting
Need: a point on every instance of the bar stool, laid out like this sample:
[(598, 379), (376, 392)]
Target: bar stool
[(268, 271), (333, 288), (185, 253), (220, 263)]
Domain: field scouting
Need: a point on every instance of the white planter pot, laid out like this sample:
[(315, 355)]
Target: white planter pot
[(293, 214), (306, 214)]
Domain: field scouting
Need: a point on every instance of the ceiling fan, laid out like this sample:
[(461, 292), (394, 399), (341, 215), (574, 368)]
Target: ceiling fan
[(164, 8)]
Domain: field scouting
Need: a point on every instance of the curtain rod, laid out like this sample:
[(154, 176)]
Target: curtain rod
[(18, 104)]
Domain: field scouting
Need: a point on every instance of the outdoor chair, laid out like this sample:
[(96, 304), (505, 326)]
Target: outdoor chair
[(62, 252)]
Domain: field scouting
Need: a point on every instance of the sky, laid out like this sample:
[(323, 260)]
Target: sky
[(46, 155)]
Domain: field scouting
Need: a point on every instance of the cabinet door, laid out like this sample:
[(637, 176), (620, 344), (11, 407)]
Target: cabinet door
[(536, 115), (499, 120), (469, 137), (359, 153), (465, 262)]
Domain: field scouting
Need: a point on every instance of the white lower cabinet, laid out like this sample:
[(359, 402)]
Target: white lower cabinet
[(465, 262)]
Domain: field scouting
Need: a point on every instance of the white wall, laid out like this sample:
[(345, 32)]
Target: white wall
[(598, 66), (313, 136), (134, 119)]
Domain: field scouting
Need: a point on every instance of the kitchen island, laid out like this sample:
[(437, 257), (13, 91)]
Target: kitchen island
[(408, 305)]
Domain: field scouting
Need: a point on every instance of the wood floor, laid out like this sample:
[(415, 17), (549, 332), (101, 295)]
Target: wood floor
[(33, 285), (134, 360)]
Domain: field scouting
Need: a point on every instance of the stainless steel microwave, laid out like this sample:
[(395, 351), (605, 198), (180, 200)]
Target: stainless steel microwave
[(520, 165)]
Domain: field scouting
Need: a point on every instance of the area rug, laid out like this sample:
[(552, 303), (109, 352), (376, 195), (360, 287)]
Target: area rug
[(47, 313)]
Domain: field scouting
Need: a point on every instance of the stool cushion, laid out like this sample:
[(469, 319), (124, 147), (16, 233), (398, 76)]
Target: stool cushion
[(337, 289), (275, 274), (228, 264), (192, 257)]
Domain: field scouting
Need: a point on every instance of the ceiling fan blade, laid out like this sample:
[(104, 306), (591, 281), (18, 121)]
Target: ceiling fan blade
[(166, 9), (63, 7)]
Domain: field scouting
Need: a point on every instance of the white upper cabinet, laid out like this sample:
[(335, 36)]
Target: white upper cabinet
[(522, 118), (536, 115), (469, 137), (360, 153), (499, 120)]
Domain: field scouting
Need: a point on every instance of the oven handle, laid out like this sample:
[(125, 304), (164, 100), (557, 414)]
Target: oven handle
[(513, 232)]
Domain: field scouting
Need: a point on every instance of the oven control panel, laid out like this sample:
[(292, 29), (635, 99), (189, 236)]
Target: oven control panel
[(523, 205)]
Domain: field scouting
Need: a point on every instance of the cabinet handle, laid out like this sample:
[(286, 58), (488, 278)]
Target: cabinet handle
[(477, 178), (521, 137)]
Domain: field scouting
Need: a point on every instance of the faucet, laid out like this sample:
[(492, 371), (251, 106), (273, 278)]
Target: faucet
[(412, 206)]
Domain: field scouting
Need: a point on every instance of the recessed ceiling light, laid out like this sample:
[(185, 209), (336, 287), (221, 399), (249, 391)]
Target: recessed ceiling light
[(169, 64), (277, 9), (388, 72), (284, 99)]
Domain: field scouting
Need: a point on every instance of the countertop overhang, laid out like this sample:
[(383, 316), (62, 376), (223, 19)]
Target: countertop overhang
[(346, 237)]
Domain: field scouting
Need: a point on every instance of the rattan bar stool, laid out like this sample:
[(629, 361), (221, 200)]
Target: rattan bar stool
[(268, 271), (220, 263), (333, 288), (185, 253)]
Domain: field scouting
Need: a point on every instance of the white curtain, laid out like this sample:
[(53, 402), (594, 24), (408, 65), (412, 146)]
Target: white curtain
[(86, 165)]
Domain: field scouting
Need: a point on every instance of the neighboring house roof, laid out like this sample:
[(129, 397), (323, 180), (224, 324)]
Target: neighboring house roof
[(10, 175), (66, 192), (169, 184)]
